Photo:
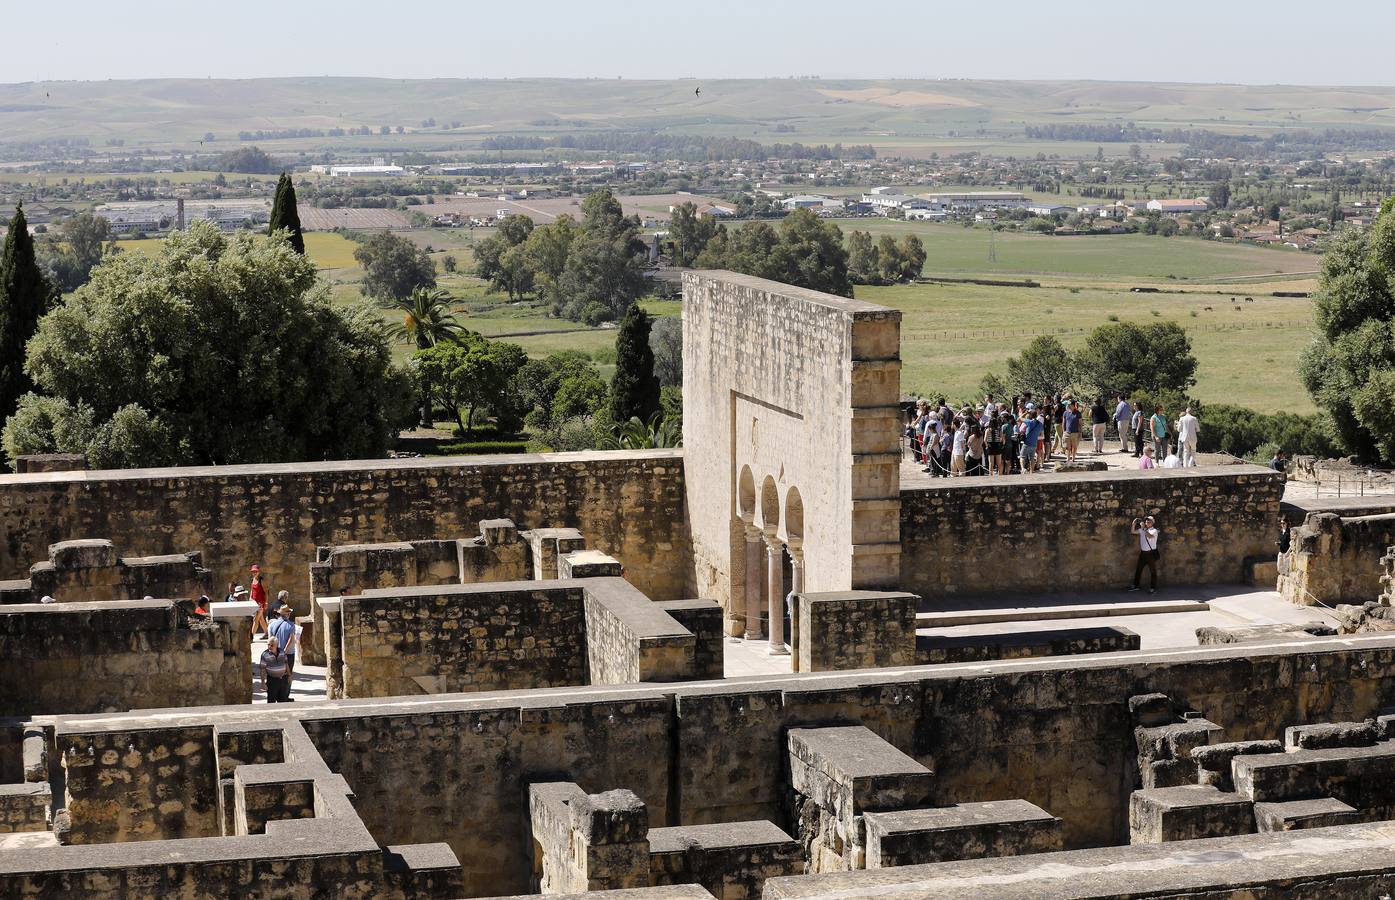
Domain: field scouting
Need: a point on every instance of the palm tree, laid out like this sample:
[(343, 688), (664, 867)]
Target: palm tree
[(426, 319)]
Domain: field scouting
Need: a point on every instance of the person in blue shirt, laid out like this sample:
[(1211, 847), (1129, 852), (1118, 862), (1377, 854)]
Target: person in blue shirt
[(1030, 430), (1122, 416)]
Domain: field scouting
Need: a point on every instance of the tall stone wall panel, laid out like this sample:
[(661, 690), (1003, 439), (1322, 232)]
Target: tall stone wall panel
[(628, 504), (1071, 532), (797, 392)]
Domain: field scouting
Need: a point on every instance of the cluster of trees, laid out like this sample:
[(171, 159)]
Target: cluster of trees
[(561, 398), (71, 254), (247, 160), (590, 271), (1154, 364), (678, 146), (221, 349), (1139, 361), (887, 261), (804, 251), (1349, 369)]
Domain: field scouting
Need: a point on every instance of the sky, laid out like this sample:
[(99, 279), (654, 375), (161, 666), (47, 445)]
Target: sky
[(1240, 41)]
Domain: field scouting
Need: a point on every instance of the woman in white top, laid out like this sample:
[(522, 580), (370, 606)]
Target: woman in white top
[(956, 460)]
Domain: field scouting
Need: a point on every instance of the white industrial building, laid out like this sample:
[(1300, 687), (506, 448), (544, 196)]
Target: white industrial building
[(973, 201), (130, 217)]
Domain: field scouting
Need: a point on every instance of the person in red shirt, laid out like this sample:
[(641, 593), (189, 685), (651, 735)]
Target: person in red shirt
[(259, 598)]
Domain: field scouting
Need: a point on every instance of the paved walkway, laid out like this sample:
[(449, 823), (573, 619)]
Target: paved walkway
[(307, 682)]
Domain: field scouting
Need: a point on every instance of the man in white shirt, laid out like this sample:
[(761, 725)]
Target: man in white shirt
[(1147, 553), (1188, 427)]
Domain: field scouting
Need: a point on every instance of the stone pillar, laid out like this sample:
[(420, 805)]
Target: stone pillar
[(753, 573), (775, 572), (796, 548)]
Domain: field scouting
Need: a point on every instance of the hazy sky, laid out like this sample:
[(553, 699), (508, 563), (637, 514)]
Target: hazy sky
[(1251, 41)]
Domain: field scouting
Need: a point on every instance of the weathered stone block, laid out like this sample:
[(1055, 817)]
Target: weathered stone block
[(1332, 734), (1186, 813), (1296, 814), (961, 831)]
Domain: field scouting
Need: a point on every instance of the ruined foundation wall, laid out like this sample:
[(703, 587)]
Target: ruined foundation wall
[(1334, 559), (117, 656), (1056, 733), (1071, 532), (629, 504)]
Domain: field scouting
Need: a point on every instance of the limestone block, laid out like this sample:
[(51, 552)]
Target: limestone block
[(83, 554), (1214, 635), (1151, 710), (1186, 813), (1213, 760), (1363, 777), (1296, 814), (730, 859), (1332, 734), (961, 831), (588, 564)]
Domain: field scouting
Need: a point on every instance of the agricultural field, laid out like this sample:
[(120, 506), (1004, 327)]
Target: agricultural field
[(954, 334), (959, 251)]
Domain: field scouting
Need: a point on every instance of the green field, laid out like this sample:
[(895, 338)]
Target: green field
[(955, 250), (952, 335)]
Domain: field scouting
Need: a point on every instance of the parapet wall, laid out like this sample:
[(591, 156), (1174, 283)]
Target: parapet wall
[(628, 504), (1071, 532)]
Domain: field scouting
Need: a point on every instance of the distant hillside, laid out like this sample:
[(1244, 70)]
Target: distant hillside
[(179, 112)]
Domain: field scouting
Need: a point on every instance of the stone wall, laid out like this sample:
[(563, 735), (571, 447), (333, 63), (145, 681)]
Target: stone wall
[(1333, 559), (1054, 732), (854, 630), (628, 504), (149, 784), (791, 426), (1071, 532), (403, 641), (116, 656)]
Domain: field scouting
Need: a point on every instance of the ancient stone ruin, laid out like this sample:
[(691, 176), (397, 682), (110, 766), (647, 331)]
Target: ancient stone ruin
[(764, 666)]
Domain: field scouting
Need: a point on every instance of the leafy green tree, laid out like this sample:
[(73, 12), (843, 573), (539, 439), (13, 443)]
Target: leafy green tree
[(604, 272), (580, 393), (690, 233), (1044, 367), (1125, 357), (515, 274), (912, 257), (863, 259), (393, 267), (539, 381), (1349, 369), (888, 260), (666, 340), (493, 261), (220, 349), (806, 252), (634, 390), (25, 295), (470, 373), (284, 213), (548, 248)]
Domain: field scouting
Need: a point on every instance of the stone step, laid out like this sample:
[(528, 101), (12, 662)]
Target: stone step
[(1186, 813), (952, 617), (1363, 777)]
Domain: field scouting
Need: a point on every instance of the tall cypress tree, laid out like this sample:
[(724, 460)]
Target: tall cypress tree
[(634, 389), (284, 213), (24, 298)]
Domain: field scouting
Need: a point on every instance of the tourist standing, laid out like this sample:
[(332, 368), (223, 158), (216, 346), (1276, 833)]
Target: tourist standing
[(1099, 423), (1029, 433), (283, 627), (1147, 553), (1138, 427), (259, 598), (1278, 463), (1158, 429), (993, 444), (276, 669), (958, 449), (974, 451), (1070, 420), (1122, 417), (1285, 538), (1188, 429)]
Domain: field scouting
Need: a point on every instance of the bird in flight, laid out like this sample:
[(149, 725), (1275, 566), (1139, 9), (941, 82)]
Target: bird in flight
[(697, 93)]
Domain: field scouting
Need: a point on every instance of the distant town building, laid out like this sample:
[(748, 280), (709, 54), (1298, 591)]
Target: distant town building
[(1050, 209), (130, 217), (973, 201), (1179, 207)]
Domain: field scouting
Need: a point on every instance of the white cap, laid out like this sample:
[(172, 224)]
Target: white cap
[(47, 599)]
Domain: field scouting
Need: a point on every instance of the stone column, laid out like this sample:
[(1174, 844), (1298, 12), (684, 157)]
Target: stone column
[(753, 578), (796, 548), (775, 572)]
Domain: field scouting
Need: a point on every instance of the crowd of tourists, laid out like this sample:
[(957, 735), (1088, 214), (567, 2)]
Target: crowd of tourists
[(1022, 434)]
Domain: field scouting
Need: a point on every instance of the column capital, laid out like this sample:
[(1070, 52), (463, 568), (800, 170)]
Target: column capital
[(753, 534), (772, 543), (796, 548)]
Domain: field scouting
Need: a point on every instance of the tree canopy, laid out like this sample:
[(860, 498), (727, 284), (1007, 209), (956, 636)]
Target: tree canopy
[(470, 373), (393, 267), (1349, 369), (1044, 367), (805, 251), (1126, 358), (220, 349), (248, 161)]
